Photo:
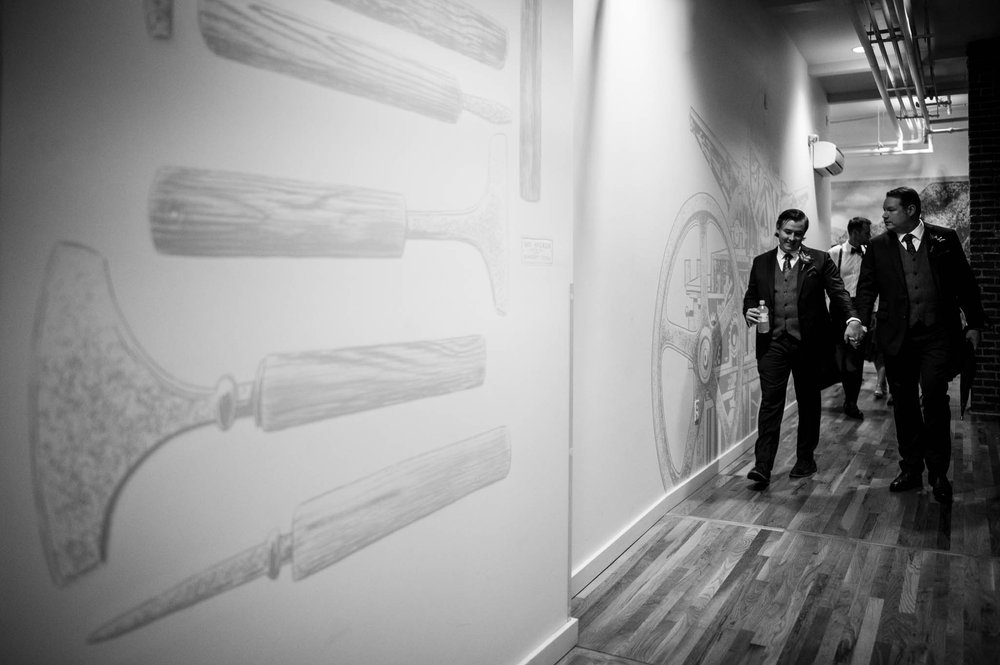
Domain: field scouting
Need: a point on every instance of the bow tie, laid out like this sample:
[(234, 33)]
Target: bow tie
[(856, 250)]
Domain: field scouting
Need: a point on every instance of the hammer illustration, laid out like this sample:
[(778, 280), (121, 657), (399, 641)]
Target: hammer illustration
[(263, 36), (198, 212), (331, 526), (99, 405)]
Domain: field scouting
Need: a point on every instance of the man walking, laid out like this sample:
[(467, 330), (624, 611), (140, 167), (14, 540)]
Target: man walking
[(792, 281), (921, 276), (851, 359)]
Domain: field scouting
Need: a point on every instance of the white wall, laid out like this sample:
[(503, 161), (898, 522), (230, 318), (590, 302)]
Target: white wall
[(692, 130), (93, 107)]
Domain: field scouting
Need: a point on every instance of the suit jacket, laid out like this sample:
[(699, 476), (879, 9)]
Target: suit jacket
[(882, 277), (818, 278)]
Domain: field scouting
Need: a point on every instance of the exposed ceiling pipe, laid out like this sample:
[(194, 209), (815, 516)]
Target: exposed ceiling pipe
[(896, 88), (912, 53), (874, 66)]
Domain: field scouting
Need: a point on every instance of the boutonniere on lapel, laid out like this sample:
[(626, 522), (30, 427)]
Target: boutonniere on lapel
[(806, 262), (936, 244)]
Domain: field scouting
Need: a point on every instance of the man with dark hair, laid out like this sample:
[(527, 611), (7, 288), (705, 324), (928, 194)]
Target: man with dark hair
[(851, 359), (792, 281), (921, 277)]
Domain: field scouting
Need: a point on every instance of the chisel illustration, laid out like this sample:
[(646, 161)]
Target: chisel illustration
[(331, 526), (263, 36), (100, 405)]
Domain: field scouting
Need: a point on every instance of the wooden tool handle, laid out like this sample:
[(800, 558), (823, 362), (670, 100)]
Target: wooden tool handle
[(298, 388), (262, 36), (453, 24), (197, 212), (333, 525)]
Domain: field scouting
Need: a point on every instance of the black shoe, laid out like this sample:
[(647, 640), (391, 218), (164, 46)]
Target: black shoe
[(906, 481), (759, 474), (942, 490), (802, 469), (852, 411)]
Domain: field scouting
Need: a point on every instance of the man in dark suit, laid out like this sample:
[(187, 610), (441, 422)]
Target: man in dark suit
[(793, 281), (922, 278)]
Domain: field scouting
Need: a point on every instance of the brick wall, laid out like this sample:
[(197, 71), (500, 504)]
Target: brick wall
[(984, 210)]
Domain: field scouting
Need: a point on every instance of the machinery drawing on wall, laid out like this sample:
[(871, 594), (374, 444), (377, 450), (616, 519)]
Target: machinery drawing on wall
[(99, 406), (705, 388)]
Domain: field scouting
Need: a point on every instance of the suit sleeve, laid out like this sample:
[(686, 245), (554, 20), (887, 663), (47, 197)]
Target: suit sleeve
[(968, 289), (840, 299), (751, 297), (867, 290)]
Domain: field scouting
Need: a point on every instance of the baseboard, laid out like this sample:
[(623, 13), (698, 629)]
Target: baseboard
[(590, 569), (556, 646)]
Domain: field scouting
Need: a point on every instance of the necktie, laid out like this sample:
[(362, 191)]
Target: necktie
[(908, 239), (855, 250), (787, 263)]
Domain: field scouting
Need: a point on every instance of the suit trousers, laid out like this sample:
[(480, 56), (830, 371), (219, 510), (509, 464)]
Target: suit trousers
[(923, 424), (786, 355)]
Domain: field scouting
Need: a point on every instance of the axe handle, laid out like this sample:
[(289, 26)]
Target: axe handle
[(454, 24), (197, 212), (297, 388), (262, 36)]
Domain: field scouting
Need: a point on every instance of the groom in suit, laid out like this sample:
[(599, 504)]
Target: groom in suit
[(793, 281), (922, 279)]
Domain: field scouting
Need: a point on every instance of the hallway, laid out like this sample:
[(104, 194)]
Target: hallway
[(827, 569)]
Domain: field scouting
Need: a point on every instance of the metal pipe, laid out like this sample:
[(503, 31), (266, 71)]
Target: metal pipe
[(873, 65), (898, 8)]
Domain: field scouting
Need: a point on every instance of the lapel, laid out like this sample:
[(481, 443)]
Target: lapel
[(769, 272), (895, 260)]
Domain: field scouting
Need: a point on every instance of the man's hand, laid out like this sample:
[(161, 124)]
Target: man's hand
[(973, 336), (854, 333), (753, 316)]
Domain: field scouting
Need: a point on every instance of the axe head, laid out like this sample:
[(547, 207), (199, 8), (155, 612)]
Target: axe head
[(98, 406)]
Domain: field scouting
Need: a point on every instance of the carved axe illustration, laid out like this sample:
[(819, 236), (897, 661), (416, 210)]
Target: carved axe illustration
[(263, 36), (99, 405), (196, 212), (331, 526)]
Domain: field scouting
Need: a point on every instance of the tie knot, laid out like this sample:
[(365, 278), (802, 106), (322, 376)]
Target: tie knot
[(855, 250), (908, 239), (787, 263)]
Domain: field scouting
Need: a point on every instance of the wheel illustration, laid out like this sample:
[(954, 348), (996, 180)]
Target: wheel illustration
[(699, 343)]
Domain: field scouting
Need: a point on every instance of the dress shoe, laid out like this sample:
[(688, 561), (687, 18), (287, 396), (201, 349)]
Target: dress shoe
[(759, 474), (852, 411), (906, 481), (942, 490), (802, 469)]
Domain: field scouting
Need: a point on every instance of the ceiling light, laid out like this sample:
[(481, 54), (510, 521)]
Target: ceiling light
[(858, 49)]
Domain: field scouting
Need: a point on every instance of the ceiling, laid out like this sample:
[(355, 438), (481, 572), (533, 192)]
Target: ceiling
[(825, 32)]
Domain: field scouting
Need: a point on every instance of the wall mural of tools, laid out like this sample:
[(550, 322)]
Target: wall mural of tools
[(99, 405), (453, 24), (331, 526), (197, 212), (263, 36)]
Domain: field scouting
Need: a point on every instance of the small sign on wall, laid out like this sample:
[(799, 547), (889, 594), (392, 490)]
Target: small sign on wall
[(536, 251)]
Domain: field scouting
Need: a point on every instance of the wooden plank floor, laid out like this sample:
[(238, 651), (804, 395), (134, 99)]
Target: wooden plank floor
[(828, 569)]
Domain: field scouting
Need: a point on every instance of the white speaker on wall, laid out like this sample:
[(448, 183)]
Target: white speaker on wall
[(827, 158)]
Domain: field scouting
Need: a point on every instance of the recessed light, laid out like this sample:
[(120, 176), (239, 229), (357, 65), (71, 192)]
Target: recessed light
[(858, 49)]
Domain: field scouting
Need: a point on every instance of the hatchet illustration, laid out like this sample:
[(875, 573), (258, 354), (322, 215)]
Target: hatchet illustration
[(99, 405), (263, 36), (331, 526), (197, 212)]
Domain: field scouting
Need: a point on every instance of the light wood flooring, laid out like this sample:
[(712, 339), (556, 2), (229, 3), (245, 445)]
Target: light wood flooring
[(827, 569)]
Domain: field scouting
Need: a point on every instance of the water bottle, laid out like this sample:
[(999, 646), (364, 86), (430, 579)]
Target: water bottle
[(764, 325)]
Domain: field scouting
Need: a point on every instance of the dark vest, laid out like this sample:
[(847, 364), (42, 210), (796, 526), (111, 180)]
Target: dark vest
[(920, 287), (786, 303)]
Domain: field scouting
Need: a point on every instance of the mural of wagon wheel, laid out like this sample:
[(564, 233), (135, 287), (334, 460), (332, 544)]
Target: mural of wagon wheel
[(698, 320)]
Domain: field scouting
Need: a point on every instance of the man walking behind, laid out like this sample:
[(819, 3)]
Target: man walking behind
[(851, 359)]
